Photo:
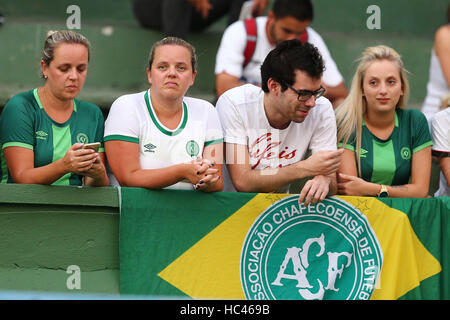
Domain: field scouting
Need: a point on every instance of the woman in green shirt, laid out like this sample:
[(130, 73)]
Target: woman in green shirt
[(387, 148), (42, 131)]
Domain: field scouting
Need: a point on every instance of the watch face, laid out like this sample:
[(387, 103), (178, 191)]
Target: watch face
[(384, 194)]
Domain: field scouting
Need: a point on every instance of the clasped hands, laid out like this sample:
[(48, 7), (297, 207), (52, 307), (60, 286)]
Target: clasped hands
[(202, 173)]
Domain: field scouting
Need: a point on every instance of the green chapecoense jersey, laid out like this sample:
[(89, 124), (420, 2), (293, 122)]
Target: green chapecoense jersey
[(24, 123), (389, 161)]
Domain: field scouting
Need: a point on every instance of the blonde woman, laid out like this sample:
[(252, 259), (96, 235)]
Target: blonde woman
[(42, 131), (387, 148)]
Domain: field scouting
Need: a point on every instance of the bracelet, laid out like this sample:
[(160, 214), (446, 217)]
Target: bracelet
[(384, 193)]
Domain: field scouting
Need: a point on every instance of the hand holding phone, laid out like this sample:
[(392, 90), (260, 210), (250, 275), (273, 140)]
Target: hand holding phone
[(94, 146)]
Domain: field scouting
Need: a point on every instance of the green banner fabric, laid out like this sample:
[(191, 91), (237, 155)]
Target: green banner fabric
[(188, 244)]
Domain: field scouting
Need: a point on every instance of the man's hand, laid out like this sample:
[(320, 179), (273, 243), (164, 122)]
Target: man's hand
[(322, 163), (315, 190)]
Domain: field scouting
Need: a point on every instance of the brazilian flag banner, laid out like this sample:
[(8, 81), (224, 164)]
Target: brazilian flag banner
[(187, 244)]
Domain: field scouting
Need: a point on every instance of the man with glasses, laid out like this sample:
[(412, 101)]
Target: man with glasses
[(268, 131), (244, 46)]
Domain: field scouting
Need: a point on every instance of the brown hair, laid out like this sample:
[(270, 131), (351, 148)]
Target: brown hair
[(55, 38), (173, 41)]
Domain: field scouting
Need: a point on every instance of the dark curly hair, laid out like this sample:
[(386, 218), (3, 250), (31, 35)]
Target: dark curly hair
[(287, 57)]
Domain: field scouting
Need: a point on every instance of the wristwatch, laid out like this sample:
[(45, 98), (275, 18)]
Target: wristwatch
[(384, 193)]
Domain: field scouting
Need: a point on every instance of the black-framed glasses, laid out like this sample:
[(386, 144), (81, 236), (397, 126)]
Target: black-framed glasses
[(305, 95)]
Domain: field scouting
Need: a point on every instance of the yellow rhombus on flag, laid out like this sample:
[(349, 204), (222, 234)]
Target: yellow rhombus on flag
[(210, 268)]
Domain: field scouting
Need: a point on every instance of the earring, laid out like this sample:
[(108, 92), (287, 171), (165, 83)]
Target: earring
[(45, 77)]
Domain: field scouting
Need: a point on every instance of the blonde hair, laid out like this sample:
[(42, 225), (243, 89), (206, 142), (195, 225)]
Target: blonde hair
[(349, 114)]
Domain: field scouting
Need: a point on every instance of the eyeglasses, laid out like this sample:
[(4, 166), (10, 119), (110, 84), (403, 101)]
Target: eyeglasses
[(305, 95)]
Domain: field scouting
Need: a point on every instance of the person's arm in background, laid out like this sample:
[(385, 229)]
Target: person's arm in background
[(332, 79), (336, 94), (442, 49), (226, 81), (230, 58), (441, 141), (444, 163)]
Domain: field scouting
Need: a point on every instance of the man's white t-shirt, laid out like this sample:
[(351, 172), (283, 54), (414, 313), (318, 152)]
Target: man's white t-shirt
[(244, 121), (133, 119), (440, 132), (230, 55)]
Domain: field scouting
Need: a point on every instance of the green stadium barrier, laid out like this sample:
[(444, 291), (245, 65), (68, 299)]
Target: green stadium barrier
[(46, 229)]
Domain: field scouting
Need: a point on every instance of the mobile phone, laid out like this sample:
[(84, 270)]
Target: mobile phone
[(94, 146)]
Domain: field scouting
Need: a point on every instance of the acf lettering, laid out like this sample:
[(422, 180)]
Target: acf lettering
[(300, 263)]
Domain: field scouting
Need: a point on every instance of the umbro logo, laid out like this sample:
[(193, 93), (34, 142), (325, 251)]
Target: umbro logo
[(363, 153), (41, 135), (149, 147)]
